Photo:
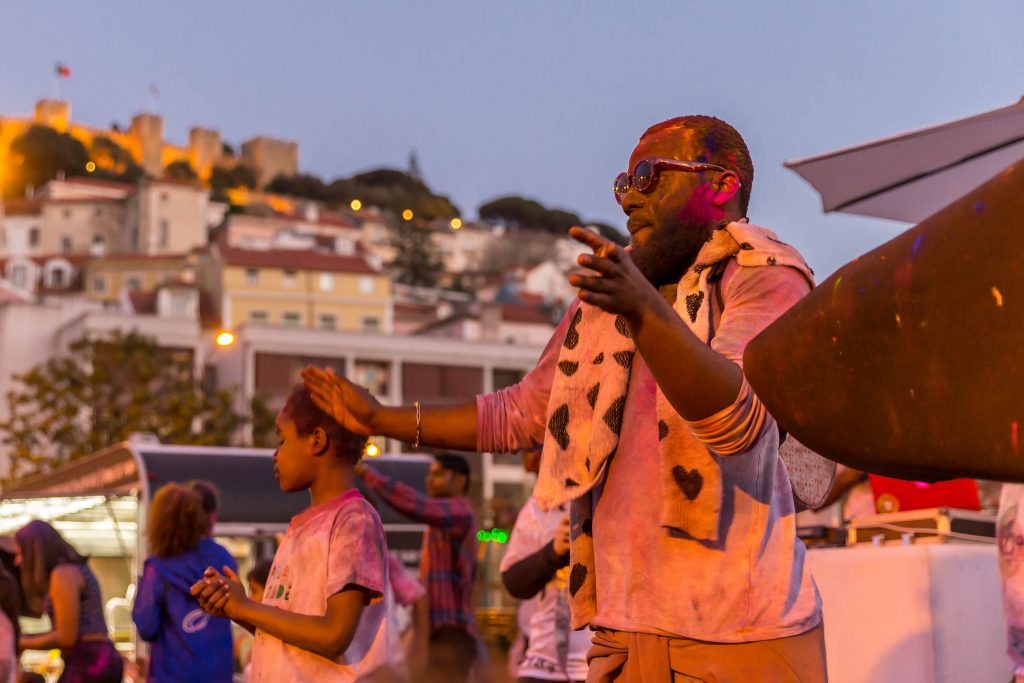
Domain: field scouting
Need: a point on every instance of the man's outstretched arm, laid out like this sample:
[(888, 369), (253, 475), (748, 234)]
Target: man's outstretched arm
[(454, 514), (359, 412)]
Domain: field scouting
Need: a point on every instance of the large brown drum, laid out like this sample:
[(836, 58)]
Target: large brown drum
[(909, 361)]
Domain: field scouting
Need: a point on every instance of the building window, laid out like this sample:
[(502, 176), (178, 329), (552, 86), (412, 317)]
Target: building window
[(258, 317), (18, 276), (65, 243), (289, 278), (99, 284), (252, 276), (132, 283), (326, 282), (291, 319), (163, 196), (33, 237), (57, 277), (165, 232), (98, 240), (327, 321), (179, 304), (67, 213), (98, 211), (371, 324), (366, 284)]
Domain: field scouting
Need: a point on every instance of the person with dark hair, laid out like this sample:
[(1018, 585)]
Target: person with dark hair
[(187, 644), (57, 580), (257, 578), (209, 496), (448, 567), (325, 614), (10, 609), (684, 558)]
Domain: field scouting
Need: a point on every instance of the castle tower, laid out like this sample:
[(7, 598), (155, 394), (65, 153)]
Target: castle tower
[(269, 158), (146, 139), (54, 113), (204, 150)]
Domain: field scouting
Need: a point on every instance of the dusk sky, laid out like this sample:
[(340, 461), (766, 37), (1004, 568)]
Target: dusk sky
[(539, 98)]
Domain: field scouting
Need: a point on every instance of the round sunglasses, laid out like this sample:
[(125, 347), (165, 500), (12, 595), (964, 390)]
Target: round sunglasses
[(645, 174)]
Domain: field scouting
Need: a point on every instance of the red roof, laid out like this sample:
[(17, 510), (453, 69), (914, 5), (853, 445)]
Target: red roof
[(77, 259), (142, 302), (23, 207), (324, 218), (112, 184), (524, 313), (297, 259), (127, 256)]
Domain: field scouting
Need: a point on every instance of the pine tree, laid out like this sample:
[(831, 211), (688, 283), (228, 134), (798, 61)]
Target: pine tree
[(417, 259)]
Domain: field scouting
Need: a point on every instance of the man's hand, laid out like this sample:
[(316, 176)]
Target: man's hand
[(352, 406), (561, 542), (619, 287), (360, 468), (217, 594)]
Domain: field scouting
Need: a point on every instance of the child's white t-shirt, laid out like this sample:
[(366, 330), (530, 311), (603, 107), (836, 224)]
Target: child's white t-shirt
[(327, 548)]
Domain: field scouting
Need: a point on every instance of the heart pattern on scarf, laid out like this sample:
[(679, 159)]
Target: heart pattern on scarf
[(689, 481), (572, 337), (576, 577), (622, 327), (568, 367), (592, 395), (624, 358), (693, 302), (557, 425), (613, 416)]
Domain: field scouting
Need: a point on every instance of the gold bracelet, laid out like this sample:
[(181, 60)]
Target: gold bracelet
[(419, 424)]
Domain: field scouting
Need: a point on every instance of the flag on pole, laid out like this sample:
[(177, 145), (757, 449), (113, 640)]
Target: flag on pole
[(62, 70), (153, 92)]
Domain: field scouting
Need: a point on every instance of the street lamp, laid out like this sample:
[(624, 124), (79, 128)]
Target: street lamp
[(355, 205), (407, 215), (455, 223), (224, 338)]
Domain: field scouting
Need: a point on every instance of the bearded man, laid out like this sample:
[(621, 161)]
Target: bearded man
[(684, 559)]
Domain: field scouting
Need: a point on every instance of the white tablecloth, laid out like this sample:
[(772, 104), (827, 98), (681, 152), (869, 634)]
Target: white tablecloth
[(927, 613)]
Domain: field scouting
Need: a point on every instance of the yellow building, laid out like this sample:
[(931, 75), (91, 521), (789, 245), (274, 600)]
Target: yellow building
[(296, 288), (109, 278)]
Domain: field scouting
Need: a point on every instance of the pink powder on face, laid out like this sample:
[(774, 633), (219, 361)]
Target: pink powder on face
[(699, 208)]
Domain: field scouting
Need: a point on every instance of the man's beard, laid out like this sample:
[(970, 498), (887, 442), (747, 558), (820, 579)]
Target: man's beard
[(664, 258)]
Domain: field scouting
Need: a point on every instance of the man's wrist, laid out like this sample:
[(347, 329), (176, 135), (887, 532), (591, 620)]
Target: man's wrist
[(642, 312)]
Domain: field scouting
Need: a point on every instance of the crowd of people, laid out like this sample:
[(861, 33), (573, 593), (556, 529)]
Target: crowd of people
[(659, 543)]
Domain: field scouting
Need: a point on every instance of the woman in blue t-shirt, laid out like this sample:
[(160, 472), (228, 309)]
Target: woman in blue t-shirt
[(188, 645)]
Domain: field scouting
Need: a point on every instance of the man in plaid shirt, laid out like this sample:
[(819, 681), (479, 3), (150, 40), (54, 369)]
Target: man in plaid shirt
[(448, 567)]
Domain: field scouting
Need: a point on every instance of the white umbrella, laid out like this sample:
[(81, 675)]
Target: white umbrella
[(910, 176)]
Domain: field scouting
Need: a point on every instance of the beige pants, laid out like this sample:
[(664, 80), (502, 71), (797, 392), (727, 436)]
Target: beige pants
[(623, 657)]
